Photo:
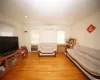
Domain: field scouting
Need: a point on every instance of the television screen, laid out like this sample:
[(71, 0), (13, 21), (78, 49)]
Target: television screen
[(8, 45)]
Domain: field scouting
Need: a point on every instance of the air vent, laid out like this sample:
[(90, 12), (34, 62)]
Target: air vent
[(34, 47)]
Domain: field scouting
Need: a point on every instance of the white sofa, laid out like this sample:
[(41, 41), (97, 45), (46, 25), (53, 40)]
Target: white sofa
[(47, 49), (87, 59)]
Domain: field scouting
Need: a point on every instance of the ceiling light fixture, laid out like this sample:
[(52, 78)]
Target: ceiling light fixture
[(25, 16)]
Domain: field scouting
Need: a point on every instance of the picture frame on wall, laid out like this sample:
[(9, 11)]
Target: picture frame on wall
[(91, 28)]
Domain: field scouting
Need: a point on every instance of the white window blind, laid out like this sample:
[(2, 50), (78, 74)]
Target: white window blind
[(60, 37), (48, 36), (34, 36)]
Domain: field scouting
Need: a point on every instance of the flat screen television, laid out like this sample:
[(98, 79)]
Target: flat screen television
[(8, 45)]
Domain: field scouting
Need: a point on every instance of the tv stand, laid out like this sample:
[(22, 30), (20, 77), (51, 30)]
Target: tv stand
[(9, 61), (7, 53)]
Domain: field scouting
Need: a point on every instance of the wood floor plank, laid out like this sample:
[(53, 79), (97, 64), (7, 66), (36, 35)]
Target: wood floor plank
[(33, 67)]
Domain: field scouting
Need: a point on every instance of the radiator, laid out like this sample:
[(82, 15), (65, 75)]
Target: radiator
[(34, 47)]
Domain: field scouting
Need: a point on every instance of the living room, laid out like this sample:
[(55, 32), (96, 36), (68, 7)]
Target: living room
[(60, 37)]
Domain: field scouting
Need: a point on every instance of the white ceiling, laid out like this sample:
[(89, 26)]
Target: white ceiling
[(49, 11)]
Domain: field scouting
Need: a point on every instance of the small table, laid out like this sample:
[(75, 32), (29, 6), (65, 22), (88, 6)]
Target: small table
[(61, 48)]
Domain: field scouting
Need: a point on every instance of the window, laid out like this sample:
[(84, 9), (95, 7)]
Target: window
[(60, 37), (48, 36), (34, 37), (6, 34)]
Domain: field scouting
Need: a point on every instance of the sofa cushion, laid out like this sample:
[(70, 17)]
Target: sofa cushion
[(47, 47), (88, 57), (89, 51), (88, 65)]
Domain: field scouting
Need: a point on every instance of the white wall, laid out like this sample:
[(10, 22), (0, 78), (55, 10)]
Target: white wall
[(7, 30), (29, 27), (18, 27), (83, 37)]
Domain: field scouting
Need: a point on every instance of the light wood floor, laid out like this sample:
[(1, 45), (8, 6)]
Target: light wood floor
[(45, 68)]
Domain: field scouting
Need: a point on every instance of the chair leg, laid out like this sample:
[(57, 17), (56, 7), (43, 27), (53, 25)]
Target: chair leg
[(39, 53)]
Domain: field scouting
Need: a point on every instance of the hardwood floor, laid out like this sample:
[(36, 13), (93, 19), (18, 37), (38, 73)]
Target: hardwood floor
[(45, 68)]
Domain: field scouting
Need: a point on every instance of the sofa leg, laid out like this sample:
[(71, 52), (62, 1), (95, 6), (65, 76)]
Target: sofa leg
[(38, 53), (55, 53)]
